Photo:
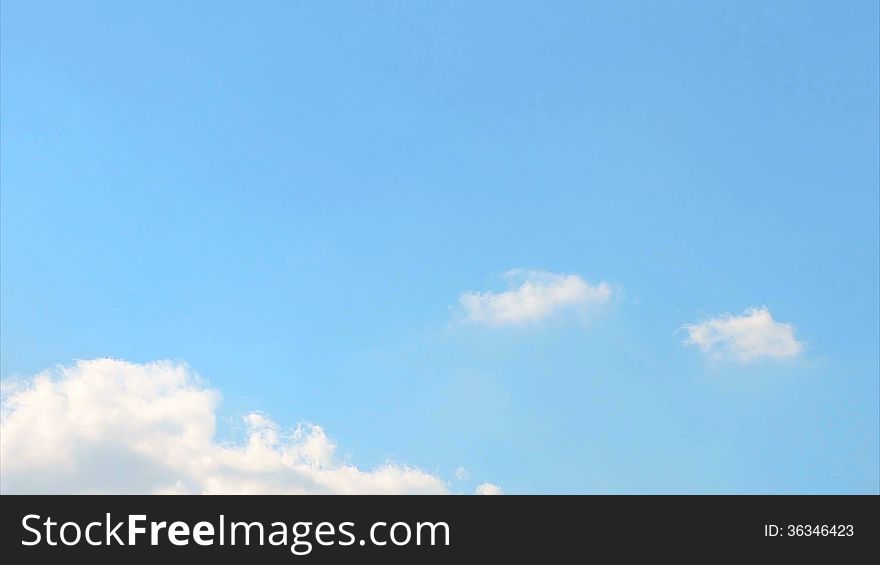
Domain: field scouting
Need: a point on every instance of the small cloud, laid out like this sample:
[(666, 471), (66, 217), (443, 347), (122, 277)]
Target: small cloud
[(488, 489), (461, 474), (751, 336), (533, 295)]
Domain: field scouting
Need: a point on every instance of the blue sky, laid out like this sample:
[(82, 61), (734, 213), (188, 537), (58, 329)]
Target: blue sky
[(293, 197)]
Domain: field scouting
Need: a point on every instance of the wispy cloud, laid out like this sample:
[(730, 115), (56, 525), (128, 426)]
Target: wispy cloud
[(109, 426), (533, 295), (751, 336)]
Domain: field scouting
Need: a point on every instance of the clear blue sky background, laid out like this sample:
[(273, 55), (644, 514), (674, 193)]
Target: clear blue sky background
[(291, 196)]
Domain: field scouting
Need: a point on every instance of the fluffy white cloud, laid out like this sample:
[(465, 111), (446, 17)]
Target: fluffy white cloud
[(461, 474), (108, 426), (488, 489), (533, 295), (748, 337)]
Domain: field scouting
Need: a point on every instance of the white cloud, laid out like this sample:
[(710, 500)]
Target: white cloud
[(461, 474), (488, 489), (753, 335), (533, 295), (109, 426)]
